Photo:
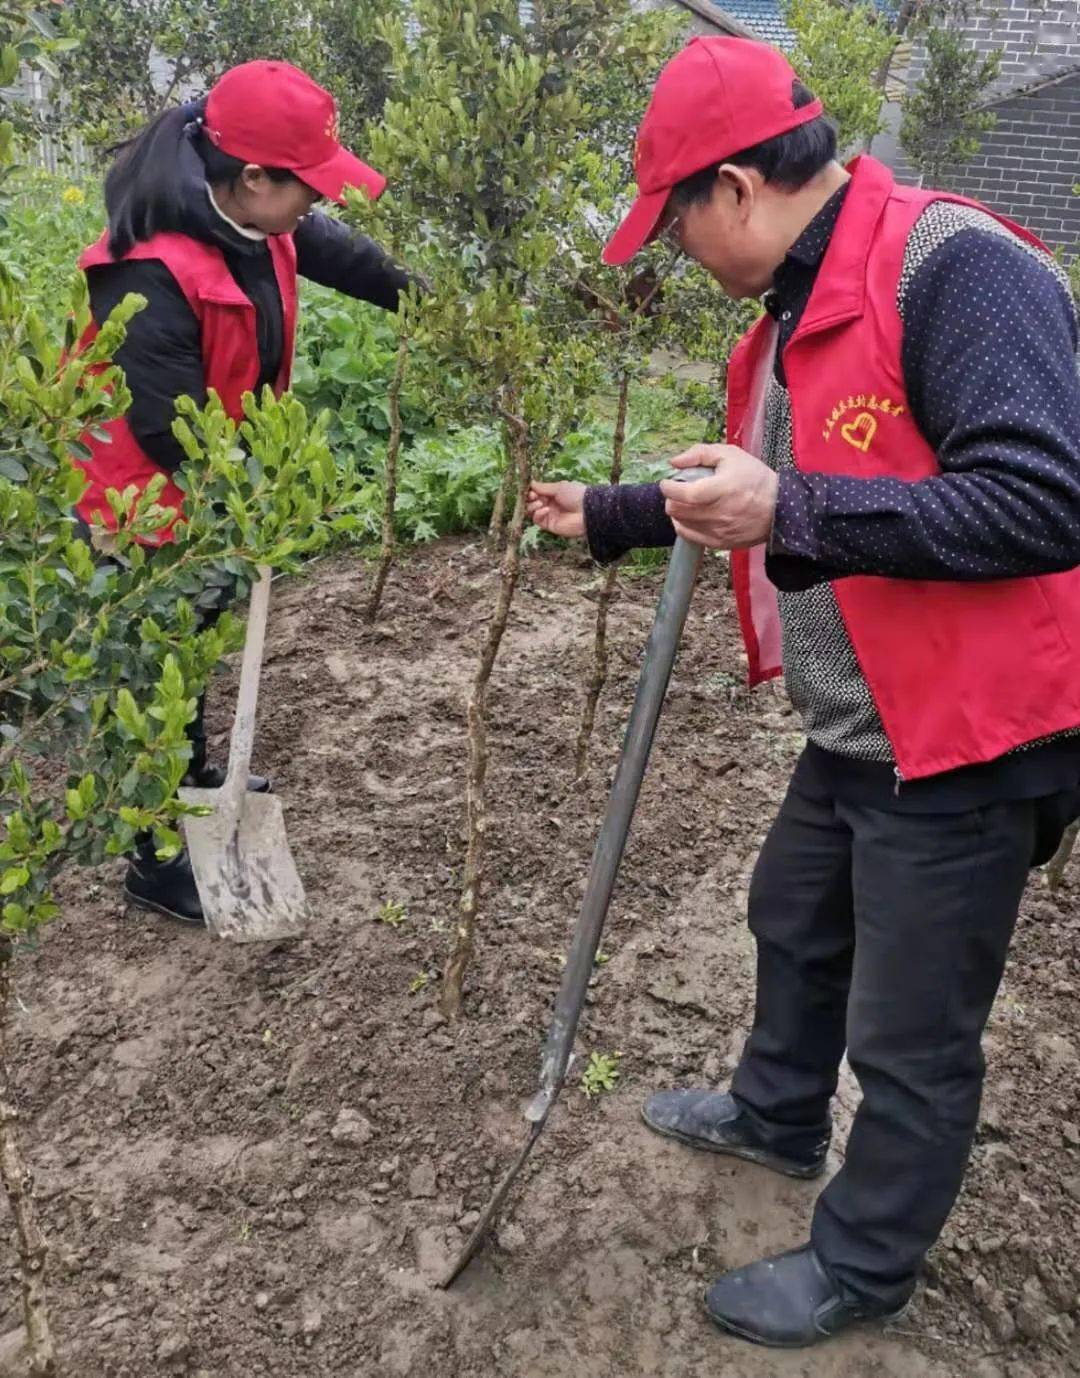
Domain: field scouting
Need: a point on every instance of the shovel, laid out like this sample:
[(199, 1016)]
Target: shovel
[(652, 686), (245, 874)]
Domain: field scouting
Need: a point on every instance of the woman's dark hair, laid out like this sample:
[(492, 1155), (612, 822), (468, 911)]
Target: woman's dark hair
[(144, 192), (789, 161)]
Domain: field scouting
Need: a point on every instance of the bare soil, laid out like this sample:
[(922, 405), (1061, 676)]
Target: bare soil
[(255, 1162)]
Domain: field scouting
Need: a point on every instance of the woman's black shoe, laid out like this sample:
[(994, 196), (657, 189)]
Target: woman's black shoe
[(164, 887)]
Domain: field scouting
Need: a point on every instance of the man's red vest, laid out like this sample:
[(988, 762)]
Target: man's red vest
[(961, 673), (230, 350)]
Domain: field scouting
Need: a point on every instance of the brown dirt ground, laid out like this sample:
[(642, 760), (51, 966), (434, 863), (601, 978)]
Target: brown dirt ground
[(214, 1213)]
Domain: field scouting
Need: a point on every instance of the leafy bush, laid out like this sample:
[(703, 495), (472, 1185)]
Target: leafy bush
[(46, 225), (345, 359), (447, 484), (943, 115), (839, 51), (448, 481)]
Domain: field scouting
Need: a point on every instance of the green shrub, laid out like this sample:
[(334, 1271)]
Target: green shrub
[(49, 221), (345, 359), (448, 482)]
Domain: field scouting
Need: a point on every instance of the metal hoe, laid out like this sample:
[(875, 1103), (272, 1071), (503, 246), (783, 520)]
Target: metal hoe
[(652, 687), (245, 873)]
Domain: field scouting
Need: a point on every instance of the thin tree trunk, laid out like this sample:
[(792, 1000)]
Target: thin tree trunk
[(19, 1185), (598, 678), (497, 525), (393, 450), (475, 812), (1055, 871)]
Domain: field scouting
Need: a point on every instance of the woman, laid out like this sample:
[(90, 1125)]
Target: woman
[(210, 219)]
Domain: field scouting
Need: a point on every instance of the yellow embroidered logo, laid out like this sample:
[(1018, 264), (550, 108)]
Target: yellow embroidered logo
[(862, 428), (332, 131), (860, 432)]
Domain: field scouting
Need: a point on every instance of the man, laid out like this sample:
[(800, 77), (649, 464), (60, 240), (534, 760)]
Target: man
[(913, 395)]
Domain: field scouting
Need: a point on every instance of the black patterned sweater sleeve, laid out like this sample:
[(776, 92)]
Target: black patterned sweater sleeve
[(989, 357), (625, 517)]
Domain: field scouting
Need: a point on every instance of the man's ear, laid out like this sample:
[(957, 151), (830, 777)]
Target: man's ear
[(740, 182)]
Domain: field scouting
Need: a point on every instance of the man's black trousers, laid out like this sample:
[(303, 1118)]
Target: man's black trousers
[(884, 933)]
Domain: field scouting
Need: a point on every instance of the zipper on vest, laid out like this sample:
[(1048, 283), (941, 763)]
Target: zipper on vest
[(899, 781)]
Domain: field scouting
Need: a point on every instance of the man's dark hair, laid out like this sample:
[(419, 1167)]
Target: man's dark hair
[(789, 161)]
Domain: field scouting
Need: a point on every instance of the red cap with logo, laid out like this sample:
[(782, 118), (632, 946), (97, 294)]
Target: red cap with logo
[(273, 114), (718, 97)]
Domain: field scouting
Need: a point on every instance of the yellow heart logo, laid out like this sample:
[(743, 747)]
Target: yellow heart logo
[(861, 431)]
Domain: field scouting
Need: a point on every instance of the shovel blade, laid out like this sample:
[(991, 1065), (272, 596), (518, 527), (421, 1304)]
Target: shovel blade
[(252, 893)]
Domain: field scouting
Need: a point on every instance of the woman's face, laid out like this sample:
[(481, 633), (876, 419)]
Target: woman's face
[(274, 207)]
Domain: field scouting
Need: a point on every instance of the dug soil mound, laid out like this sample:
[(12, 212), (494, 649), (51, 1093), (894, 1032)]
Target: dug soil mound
[(256, 1161)]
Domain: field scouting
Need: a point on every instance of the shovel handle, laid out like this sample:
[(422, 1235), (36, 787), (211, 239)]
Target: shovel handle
[(243, 733), (652, 687)]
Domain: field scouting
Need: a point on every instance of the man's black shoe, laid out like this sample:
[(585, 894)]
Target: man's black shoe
[(164, 887), (213, 777), (713, 1121), (787, 1302)]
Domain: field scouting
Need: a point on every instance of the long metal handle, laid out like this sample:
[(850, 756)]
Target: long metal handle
[(652, 687)]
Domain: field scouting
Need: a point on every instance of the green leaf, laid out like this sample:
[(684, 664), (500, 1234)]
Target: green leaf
[(9, 65), (12, 469), (169, 843), (43, 25), (16, 918), (14, 879), (129, 716)]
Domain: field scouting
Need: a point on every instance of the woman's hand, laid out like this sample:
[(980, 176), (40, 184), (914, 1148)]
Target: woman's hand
[(558, 508)]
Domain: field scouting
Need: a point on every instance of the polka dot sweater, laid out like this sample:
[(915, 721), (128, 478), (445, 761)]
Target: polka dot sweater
[(990, 365)]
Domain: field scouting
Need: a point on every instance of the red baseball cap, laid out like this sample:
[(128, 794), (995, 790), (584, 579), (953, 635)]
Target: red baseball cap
[(273, 114), (716, 98)]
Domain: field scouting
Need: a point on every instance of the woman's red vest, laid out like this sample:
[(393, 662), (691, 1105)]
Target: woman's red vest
[(961, 673), (230, 350)]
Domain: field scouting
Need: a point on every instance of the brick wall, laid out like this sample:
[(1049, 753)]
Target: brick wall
[(1028, 164), (1038, 38), (1030, 161)]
